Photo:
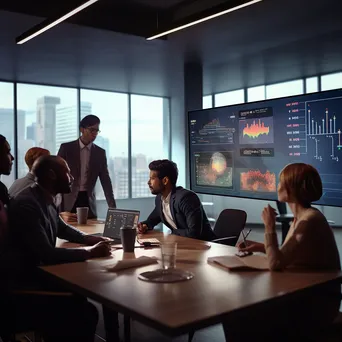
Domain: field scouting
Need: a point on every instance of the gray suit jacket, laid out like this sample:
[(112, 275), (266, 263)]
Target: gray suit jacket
[(21, 184), (97, 169)]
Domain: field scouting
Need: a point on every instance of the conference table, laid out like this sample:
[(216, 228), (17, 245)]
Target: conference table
[(212, 295)]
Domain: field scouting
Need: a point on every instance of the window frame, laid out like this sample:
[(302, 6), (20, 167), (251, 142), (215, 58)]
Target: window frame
[(166, 118)]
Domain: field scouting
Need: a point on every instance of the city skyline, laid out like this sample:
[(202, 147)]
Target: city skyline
[(53, 121)]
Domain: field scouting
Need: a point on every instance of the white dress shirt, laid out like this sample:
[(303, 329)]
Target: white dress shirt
[(84, 159), (167, 211)]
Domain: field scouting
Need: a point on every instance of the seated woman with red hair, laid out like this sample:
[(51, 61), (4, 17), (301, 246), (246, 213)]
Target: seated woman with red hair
[(309, 246), (22, 183)]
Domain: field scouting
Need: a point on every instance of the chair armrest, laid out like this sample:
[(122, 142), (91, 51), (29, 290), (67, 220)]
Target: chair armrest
[(224, 239)]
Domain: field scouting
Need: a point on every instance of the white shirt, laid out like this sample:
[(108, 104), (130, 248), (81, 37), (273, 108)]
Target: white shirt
[(167, 211), (84, 159)]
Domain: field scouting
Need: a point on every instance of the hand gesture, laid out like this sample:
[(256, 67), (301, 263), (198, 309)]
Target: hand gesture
[(269, 218), (142, 228), (92, 240)]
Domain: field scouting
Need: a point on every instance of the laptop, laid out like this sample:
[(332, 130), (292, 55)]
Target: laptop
[(117, 218)]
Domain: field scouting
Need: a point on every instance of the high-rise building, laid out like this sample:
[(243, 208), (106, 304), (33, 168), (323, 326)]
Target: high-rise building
[(31, 132), (23, 146), (67, 124), (46, 122), (141, 162), (7, 124), (104, 143)]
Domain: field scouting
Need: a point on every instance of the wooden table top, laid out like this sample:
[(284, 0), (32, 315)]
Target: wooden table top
[(177, 308)]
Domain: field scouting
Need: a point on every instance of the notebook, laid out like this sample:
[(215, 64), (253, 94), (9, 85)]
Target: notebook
[(117, 218), (233, 262)]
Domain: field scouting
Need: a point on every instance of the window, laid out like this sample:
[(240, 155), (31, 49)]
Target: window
[(112, 109), (7, 122), (256, 93), (150, 138), (47, 117), (230, 98), (207, 101), (332, 81), (311, 84), (284, 89)]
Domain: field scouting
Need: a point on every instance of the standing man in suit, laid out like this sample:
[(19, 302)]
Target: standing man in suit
[(179, 209), (87, 163)]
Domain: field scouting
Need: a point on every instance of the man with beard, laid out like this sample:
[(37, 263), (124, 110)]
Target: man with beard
[(6, 162), (179, 209), (34, 228), (36, 224)]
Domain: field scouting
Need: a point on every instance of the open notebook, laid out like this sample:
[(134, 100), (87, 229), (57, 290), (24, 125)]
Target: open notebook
[(233, 262)]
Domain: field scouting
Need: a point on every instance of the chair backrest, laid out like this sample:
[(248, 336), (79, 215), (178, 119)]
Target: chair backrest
[(230, 223)]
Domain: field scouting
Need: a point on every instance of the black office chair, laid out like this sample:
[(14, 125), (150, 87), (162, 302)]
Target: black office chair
[(229, 225), (227, 229)]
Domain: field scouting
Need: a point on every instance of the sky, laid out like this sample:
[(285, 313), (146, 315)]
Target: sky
[(112, 109)]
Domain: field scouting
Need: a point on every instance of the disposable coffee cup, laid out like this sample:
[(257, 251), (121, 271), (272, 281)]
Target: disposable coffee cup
[(128, 236), (82, 215)]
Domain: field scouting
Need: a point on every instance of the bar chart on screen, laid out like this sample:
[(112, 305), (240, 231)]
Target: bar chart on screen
[(314, 129)]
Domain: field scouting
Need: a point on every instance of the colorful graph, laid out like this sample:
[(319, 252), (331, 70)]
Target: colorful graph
[(214, 169), (255, 180), (256, 131)]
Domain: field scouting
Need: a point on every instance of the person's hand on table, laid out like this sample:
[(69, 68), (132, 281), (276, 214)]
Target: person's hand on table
[(142, 228), (69, 217), (92, 240), (100, 250), (252, 246)]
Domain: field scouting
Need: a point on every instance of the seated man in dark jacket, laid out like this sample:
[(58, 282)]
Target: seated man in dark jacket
[(179, 209), (36, 224), (59, 317)]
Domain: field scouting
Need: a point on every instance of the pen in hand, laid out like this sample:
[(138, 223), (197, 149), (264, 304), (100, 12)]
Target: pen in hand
[(245, 237)]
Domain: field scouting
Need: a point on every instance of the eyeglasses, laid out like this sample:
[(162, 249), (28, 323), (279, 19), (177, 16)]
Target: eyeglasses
[(93, 130)]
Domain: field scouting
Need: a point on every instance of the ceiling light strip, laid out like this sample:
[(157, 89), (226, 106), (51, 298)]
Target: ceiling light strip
[(204, 19), (57, 21)]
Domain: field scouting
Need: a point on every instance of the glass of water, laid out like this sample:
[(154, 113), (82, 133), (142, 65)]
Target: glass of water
[(169, 253)]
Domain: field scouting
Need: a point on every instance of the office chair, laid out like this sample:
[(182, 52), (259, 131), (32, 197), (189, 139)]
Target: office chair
[(229, 225), (227, 229)]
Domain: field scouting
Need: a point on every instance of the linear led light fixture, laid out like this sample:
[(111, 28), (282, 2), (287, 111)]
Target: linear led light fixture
[(36, 32), (204, 19)]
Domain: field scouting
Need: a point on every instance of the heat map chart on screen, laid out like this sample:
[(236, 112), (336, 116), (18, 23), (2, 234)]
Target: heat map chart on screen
[(214, 169), (255, 180), (239, 150)]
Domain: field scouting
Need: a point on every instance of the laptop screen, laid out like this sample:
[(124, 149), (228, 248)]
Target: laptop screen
[(117, 218)]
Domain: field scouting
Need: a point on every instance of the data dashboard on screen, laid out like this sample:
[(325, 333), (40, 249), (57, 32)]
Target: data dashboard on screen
[(239, 150)]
